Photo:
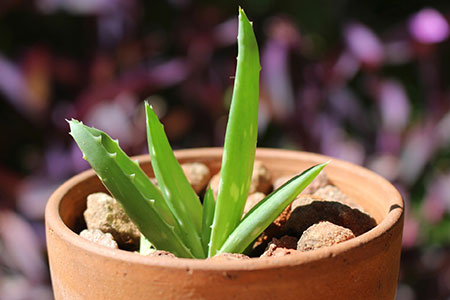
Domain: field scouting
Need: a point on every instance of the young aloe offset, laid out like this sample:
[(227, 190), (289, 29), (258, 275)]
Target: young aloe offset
[(171, 217), (240, 138)]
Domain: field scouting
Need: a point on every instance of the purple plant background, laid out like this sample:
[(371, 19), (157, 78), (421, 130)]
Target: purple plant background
[(363, 81)]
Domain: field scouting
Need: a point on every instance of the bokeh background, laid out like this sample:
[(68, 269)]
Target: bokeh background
[(366, 81)]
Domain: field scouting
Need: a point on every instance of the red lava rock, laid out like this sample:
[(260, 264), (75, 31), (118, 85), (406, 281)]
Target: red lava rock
[(323, 234), (197, 174), (276, 229), (229, 256), (98, 237), (280, 222), (106, 214), (320, 181)]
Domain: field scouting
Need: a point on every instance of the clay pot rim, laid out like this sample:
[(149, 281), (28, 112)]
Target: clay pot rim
[(55, 222)]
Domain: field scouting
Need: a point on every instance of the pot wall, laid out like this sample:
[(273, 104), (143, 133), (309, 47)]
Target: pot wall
[(365, 267)]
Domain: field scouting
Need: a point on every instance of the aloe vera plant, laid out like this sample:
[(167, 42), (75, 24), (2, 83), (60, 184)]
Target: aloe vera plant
[(171, 217)]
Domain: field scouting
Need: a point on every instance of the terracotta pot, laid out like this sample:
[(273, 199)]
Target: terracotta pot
[(365, 267)]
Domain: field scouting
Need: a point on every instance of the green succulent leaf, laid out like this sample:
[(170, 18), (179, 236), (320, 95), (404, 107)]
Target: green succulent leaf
[(131, 187), (145, 246), (176, 189), (240, 138), (209, 206), (266, 211)]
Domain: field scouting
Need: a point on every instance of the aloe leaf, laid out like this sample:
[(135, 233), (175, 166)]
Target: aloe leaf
[(176, 189), (240, 138), (129, 185), (266, 211), (145, 246), (209, 205)]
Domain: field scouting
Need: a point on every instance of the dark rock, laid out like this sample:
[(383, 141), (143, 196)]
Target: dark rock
[(311, 210), (286, 245)]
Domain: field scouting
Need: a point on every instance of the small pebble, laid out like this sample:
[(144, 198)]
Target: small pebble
[(252, 200), (320, 181), (106, 214), (214, 184), (197, 174), (274, 251), (98, 237), (286, 245), (333, 193), (261, 180), (302, 200), (323, 234)]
